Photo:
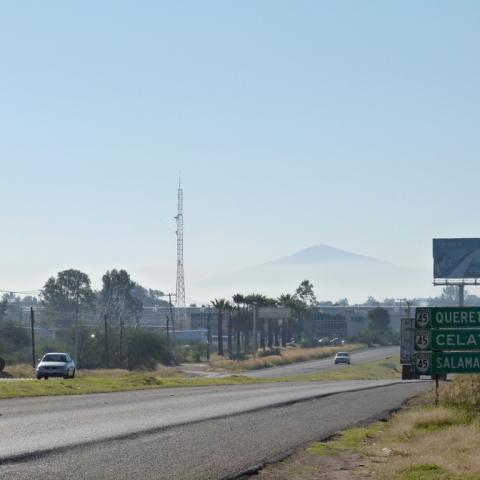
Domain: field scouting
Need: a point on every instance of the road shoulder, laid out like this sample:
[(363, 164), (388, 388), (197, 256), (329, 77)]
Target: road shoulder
[(411, 445)]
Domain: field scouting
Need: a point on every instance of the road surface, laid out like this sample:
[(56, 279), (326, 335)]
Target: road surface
[(187, 433), (315, 366)]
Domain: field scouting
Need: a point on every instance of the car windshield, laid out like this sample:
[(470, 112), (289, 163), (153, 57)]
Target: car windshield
[(343, 354), (54, 358)]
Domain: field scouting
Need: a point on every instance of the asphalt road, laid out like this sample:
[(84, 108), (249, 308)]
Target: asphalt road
[(188, 433), (315, 366)]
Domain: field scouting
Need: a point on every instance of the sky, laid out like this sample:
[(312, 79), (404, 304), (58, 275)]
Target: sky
[(293, 123)]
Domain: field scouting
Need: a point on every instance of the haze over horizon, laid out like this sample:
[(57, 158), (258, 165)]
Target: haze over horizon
[(294, 124)]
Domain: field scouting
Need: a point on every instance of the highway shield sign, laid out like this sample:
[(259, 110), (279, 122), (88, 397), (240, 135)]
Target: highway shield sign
[(423, 363), (422, 340)]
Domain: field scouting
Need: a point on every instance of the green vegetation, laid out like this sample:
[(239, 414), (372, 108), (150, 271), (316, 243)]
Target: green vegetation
[(123, 382), (280, 356), (378, 329), (425, 472), (347, 440), (97, 381)]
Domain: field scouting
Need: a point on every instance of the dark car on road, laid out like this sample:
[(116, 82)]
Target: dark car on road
[(56, 365)]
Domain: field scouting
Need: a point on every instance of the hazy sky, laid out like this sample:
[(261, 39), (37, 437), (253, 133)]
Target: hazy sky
[(354, 124)]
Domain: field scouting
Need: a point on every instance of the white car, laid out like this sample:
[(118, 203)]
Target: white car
[(342, 357), (56, 365)]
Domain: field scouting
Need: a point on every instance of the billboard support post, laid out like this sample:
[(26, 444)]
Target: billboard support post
[(461, 294)]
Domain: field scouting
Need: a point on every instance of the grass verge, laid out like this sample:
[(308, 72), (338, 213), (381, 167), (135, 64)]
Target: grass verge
[(105, 384), (421, 442), (104, 381), (287, 355)]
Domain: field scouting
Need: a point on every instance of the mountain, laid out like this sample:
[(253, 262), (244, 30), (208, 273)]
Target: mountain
[(320, 254), (334, 273)]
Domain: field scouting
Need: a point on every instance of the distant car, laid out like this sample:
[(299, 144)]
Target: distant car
[(336, 342), (56, 365), (342, 357)]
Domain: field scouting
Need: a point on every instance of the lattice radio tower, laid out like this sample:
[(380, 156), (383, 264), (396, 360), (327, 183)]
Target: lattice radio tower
[(180, 312)]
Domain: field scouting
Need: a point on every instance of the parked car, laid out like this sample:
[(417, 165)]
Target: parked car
[(56, 365), (342, 357), (337, 342)]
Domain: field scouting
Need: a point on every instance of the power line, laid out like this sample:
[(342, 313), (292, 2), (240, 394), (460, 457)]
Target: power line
[(23, 292)]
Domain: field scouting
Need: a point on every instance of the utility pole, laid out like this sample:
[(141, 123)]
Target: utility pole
[(32, 325), (76, 334), (209, 335), (107, 359), (168, 332), (254, 331), (172, 316)]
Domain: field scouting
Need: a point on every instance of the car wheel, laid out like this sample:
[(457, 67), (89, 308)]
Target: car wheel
[(73, 374), (39, 377), (46, 378)]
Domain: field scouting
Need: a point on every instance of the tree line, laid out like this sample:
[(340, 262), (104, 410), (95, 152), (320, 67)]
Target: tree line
[(100, 328)]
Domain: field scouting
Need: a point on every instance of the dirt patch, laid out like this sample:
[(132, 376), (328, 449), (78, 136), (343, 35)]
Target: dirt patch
[(309, 466)]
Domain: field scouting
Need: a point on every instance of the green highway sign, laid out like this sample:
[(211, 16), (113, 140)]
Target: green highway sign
[(447, 317), (432, 363), (446, 339)]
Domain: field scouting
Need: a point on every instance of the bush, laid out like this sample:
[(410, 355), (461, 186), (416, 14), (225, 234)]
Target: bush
[(14, 343), (272, 351), (145, 350), (194, 352)]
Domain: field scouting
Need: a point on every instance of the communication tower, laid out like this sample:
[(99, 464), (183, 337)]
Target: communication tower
[(180, 312)]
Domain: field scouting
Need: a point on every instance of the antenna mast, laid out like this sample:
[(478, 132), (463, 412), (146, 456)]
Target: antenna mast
[(180, 312)]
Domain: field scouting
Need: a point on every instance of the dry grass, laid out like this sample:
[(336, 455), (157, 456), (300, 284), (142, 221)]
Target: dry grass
[(421, 442), (433, 443), (21, 370), (452, 448), (288, 355), (26, 371)]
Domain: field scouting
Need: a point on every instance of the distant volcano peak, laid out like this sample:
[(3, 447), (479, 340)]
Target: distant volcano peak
[(321, 254)]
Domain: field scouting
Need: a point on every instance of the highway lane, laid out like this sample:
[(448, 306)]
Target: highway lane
[(324, 364), (180, 433)]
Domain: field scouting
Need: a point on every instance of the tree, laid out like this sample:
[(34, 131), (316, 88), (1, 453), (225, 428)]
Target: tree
[(150, 297), (378, 329), (372, 302), (378, 320), (119, 304), (3, 308), (306, 294), (146, 350), (221, 305), (298, 309), (450, 295), (238, 317), (68, 294)]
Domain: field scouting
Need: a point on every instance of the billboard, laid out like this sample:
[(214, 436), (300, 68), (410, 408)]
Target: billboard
[(456, 257)]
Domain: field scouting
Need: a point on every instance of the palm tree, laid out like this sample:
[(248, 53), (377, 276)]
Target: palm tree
[(262, 301), (229, 309), (220, 305), (238, 300), (298, 308)]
